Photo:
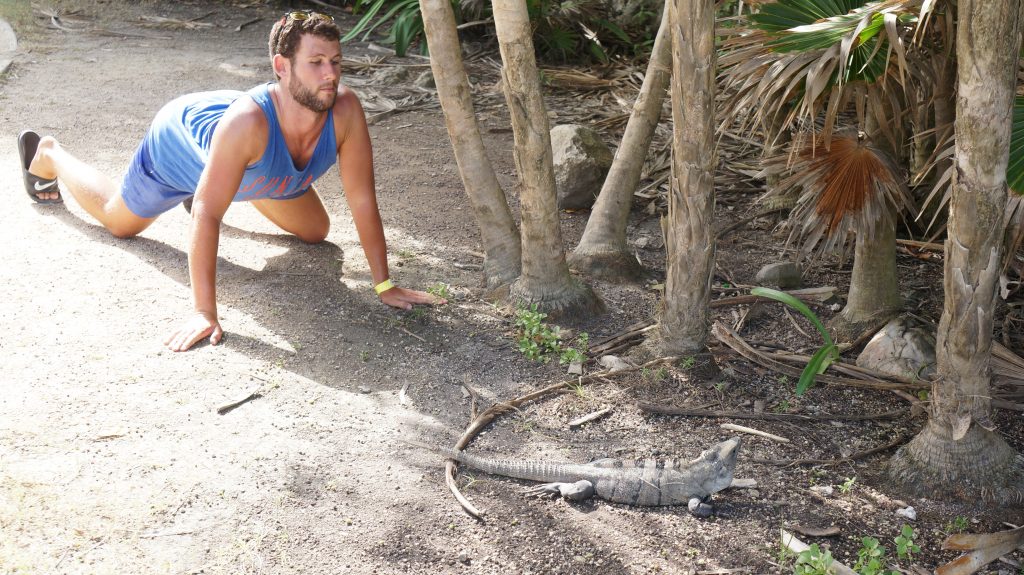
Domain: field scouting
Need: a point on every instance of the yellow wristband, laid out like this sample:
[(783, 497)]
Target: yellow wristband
[(383, 286)]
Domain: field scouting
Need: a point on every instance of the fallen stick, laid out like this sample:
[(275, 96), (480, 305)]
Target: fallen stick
[(253, 393), (751, 431), (734, 341), (764, 415), (789, 541), (590, 417), (855, 456), (246, 23)]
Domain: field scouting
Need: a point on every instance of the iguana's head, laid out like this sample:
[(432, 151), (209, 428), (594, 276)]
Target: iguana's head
[(719, 461)]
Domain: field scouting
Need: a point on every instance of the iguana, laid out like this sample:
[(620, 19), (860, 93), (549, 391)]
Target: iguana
[(646, 482)]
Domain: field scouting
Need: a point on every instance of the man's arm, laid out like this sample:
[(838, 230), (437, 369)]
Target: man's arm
[(231, 150), (355, 162)]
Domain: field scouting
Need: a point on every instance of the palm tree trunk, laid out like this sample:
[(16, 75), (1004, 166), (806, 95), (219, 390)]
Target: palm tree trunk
[(602, 251), (688, 227), (545, 278), (874, 286), (502, 248), (958, 455)]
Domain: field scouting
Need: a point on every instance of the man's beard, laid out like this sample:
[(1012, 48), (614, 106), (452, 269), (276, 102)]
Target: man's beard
[(308, 98)]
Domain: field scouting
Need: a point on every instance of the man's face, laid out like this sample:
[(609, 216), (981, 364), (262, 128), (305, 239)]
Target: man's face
[(315, 70)]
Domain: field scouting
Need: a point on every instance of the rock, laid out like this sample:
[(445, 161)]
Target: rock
[(822, 489), (613, 363), (904, 347), (364, 389), (391, 76), (581, 162), (8, 45), (463, 557), (425, 80), (782, 275), (575, 368), (908, 512)]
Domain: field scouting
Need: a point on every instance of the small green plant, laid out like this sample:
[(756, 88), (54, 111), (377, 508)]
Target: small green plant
[(871, 558), (364, 355), (813, 561), (539, 341), (688, 362), (536, 339), (905, 546), (824, 356), (783, 406), (576, 353), (579, 389), (847, 485), (441, 290), (958, 524)]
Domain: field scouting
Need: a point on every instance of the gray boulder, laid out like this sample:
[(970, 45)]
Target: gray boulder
[(581, 162), (782, 275), (904, 347)]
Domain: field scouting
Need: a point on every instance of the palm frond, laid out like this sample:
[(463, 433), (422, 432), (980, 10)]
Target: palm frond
[(805, 53), (851, 187)]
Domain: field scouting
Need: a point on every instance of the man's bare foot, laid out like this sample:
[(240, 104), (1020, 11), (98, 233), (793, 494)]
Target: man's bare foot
[(42, 167)]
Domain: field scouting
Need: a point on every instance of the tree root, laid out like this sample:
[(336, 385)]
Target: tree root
[(981, 465), (572, 299), (615, 265)]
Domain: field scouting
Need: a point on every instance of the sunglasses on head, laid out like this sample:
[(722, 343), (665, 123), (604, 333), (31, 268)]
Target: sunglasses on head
[(300, 15)]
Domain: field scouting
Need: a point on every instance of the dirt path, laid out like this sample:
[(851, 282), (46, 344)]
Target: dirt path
[(113, 458)]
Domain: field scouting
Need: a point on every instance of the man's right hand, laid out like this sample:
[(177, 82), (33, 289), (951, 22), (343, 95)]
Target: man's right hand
[(194, 329)]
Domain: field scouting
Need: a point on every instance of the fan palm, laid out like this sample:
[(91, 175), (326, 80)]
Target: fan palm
[(803, 63)]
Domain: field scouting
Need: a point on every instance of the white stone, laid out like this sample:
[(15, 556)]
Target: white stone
[(905, 347), (613, 363), (907, 512)]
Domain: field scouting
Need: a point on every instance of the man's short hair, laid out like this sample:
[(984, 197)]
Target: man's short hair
[(288, 31)]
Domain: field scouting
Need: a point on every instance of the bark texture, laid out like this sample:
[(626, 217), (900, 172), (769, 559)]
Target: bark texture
[(688, 227), (958, 454), (602, 251), (498, 232), (874, 288), (545, 278)]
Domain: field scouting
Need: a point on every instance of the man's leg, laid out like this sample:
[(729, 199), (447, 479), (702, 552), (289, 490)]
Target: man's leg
[(303, 216), (95, 192)]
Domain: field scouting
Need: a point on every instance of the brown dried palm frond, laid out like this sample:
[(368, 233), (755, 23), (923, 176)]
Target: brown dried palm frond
[(851, 187)]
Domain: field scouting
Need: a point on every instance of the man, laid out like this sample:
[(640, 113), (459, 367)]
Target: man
[(266, 146)]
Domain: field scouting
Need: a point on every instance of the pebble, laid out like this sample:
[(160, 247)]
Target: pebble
[(612, 363), (908, 512), (822, 489)]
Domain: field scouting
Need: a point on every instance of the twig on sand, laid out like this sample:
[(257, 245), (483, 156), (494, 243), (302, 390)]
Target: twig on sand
[(246, 23), (253, 393), (859, 455), (751, 431)]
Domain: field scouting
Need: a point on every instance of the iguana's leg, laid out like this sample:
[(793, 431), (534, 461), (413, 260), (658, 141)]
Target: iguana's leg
[(701, 507), (578, 491)]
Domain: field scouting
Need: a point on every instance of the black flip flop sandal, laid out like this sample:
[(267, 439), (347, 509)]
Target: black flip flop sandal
[(28, 141)]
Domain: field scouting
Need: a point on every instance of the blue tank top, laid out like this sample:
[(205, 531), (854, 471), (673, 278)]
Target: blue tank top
[(178, 144)]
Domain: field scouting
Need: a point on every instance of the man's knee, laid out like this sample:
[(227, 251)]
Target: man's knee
[(316, 233), (121, 231)]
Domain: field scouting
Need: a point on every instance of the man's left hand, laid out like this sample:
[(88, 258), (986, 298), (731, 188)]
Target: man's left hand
[(405, 298)]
